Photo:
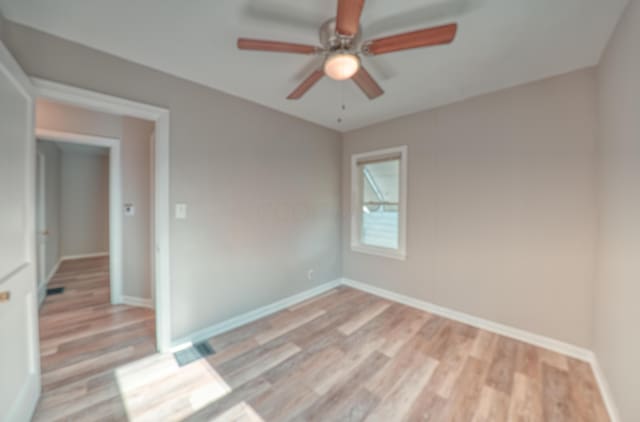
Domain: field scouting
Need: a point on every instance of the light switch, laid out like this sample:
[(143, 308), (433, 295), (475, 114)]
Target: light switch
[(129, 210), (181, 211)]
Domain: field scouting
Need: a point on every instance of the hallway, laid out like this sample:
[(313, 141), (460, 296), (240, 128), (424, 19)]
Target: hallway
[(83, 338)]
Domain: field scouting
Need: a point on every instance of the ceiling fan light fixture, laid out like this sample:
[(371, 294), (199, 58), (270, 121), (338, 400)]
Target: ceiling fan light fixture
[(341, 66)]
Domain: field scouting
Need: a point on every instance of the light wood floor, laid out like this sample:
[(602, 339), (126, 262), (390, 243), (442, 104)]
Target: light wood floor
[(342, 356), (83, 339)]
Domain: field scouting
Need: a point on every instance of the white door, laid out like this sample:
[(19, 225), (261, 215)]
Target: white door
[(19, 357), (42, 233)]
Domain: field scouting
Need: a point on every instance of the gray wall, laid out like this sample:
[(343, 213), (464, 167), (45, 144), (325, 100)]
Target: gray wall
[(501, 206), (137, 190), (136, 187), (84, 204), (617, 343), (263, 188), (52, 156)]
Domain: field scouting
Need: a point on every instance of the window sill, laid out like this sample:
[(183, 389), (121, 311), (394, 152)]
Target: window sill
[(386, 253)]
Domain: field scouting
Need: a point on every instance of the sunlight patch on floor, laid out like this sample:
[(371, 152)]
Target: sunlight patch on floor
[(156, 387), (242, 412)]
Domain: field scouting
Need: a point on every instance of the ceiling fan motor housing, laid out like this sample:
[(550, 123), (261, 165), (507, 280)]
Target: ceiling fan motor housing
[(331, 40)]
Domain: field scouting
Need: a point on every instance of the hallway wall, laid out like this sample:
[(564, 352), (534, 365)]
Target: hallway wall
[(84, 205)]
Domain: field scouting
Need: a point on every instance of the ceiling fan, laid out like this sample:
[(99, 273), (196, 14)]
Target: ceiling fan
[(341, 48)]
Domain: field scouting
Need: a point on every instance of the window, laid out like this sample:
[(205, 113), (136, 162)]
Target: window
[(378, 202)]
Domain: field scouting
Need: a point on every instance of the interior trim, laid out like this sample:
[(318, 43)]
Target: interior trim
[(605, 389), (137, 301)]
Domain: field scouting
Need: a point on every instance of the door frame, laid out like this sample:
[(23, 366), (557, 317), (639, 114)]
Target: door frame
[(115, 198), (41, 219), (114, 105)]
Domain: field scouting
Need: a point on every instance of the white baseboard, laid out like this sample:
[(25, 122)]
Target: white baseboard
[(605, 390), (206, 333), (485, 324), (137, 301), (86, 255)]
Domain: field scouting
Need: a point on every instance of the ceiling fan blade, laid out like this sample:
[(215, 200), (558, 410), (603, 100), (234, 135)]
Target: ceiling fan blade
[(422, 38), (367, 84), (275, 46), (348, 18), (306, 85)]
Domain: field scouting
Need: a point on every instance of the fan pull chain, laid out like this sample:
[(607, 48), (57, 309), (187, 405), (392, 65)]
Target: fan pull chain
[(343, 106)]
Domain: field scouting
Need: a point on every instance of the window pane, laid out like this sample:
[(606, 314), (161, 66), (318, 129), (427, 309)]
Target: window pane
[(379, 203), (380, 228)]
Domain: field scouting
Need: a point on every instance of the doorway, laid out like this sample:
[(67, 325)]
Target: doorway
[(20, 385), (160, 217), (75, 208)]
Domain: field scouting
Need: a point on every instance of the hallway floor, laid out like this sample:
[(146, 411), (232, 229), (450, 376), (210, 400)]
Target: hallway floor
[(83, 339)]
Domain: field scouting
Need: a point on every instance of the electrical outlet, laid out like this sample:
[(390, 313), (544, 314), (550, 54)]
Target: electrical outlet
[(310, 275)]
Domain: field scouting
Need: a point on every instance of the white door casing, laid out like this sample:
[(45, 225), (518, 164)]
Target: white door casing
[(42, 233), (19, 356)]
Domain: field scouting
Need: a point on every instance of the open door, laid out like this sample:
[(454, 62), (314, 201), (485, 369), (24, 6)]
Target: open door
[(19, 357)]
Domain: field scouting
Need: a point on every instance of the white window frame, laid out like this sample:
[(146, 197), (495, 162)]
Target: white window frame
[(356, 212)]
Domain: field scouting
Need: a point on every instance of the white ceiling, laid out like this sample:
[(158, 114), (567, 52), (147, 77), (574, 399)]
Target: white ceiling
[(500, 43)]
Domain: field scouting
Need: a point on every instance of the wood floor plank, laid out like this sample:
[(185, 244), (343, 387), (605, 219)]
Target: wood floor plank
[(444, 380), (283, 400), (526, 399), (527, 360), (493, 406), (397, 402), (585, 394), (427, 407), (484, 346), (403, 331), (465, 400), (409, 359), (307, 369), (293, 321), (554, 359), (337, 371), (363, 317), (347, 398), (503, 365), (246, 392), (556, 394), (262, 364), (83, 340)]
